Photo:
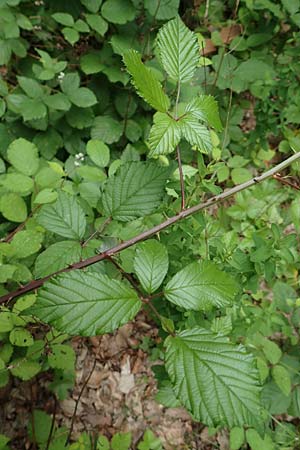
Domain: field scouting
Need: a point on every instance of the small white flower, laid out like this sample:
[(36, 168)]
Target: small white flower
[(61, 76), (77, 163)]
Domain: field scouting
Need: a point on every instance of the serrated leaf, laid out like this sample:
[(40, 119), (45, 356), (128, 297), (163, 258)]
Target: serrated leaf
[(134, 191), (31, 87), (24, 369), (97, 23), (23, 155), (271, 350), (61, 356), (164, 135), (201, 286), (17, 182), (205, 108), (20, 337), (195, 133), (147, 86), (106, 129), (282, 378), (179, 50), (151, 264), (214, 379), (86, 304), (121, 441), (59, 102), (83, 97), (162, 9), (64, 217), (56, 257)]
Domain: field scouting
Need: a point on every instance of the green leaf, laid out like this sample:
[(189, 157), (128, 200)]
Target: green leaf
[(195, 133), (282, 378), (3, 441), (240, 175), (162, 9), (59, 102), (151, 264), (64, 217), (257, 443), (31, 87), (147, 86), (179, 50), (136, 190), (2, 107), (92, 5), (61, 357), (91, 63), (13, 207), (42, 426), (98, 152), (150, 441), (164, 135), (56, 257), (33, 109), (106, 129), (20, 337), (81, 26), (64, 19), (70, 83), (237, 438), (205, 108), (97, 23), (102, 443), (24, 369), (23, 155), (45, 196), (6, 321), (118, 11), (271, 351), (24, 303), (83, 97), (121, 441), (26, 243), (70, 35), (86, 304), (213, 378), (201, 286), (17, 182)]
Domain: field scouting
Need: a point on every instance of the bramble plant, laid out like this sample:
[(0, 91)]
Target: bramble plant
[(106, 235)]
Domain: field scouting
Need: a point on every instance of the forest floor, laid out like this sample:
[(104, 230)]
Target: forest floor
[(114, 392)]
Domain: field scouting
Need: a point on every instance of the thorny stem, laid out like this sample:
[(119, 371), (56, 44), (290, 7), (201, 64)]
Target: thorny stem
[(35, 284)]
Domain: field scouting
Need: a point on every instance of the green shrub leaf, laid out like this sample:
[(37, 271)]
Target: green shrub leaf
[(179, 50), (201, 286), (64, 217), (164, 135), (151, 264), (23, 155), (13, 207), (282, 378), (56, 257), (134, 191), (195, 133), (213, 378), (86, 304), (118, 11), (205, 108), (147, 86)]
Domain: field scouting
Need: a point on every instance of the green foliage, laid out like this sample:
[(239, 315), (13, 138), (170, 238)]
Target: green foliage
[(75, 176)]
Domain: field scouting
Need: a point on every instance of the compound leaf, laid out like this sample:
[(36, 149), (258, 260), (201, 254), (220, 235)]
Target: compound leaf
[(86, 304), (213, 378), (151, 264), (164, 135), (195, 133), (179, 50), (134, 191), (64, 217), (205, 108), (147, 86), (201, 286)]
